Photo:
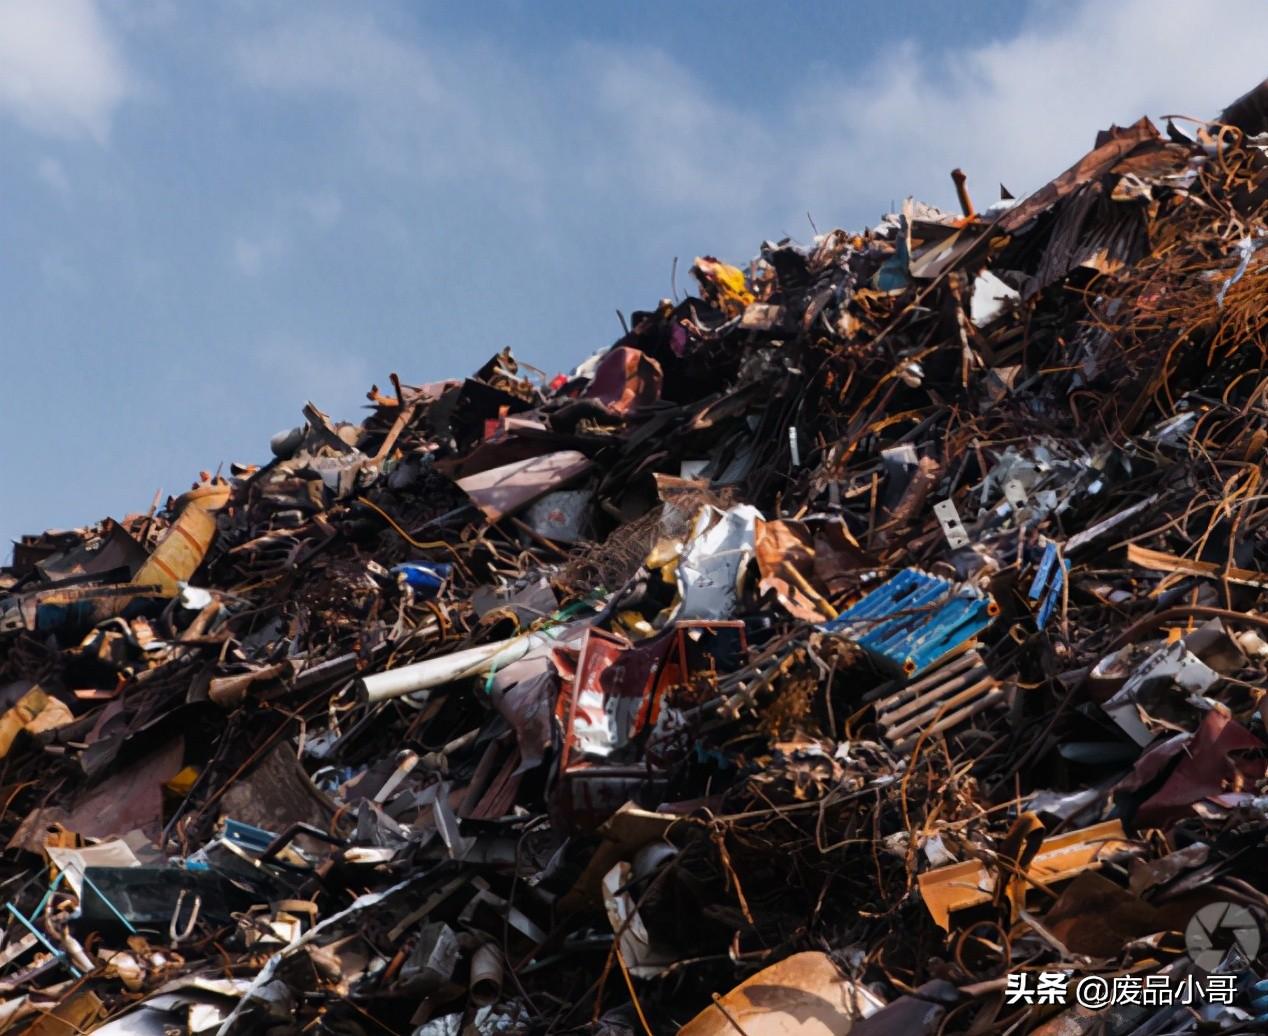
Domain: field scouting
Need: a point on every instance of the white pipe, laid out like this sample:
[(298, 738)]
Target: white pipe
[(434, 672)]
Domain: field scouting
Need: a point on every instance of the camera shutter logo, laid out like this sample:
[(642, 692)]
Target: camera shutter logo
[(1218, 928)]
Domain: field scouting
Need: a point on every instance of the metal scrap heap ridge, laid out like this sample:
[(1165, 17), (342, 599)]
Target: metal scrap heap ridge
[(873, 642)]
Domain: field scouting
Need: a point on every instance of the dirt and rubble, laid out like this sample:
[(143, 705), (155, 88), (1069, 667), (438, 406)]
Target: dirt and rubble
[(874, 642)]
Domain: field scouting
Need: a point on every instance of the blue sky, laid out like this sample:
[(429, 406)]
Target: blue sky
[(214, 212)]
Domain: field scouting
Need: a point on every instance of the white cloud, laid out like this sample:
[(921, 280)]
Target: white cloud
[(665, 138), (251, 255), (337, 54), (335, 380), (323, 208), (61, 73), (53, 174), (59, 272), (438, 112), (1022, 109), (296, 218), (638, 132)]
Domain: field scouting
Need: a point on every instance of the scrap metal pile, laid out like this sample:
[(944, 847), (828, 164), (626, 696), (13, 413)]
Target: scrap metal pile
[(860, 646)]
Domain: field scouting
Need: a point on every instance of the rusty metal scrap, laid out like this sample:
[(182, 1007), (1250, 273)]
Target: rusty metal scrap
[(883, 622)]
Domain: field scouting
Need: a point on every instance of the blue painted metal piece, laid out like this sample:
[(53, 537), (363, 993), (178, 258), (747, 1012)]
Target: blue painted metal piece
[(913, 620), (247, 836), (424, 577), (1049, 579), (56, 951), (1044, 571), (1259, 1000), (39, 910)]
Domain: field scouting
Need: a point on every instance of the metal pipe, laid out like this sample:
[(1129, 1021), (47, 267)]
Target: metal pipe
[(486, 975), (930, 714), (953, 720), (434, 672), (962, 192), (1187, 611)]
